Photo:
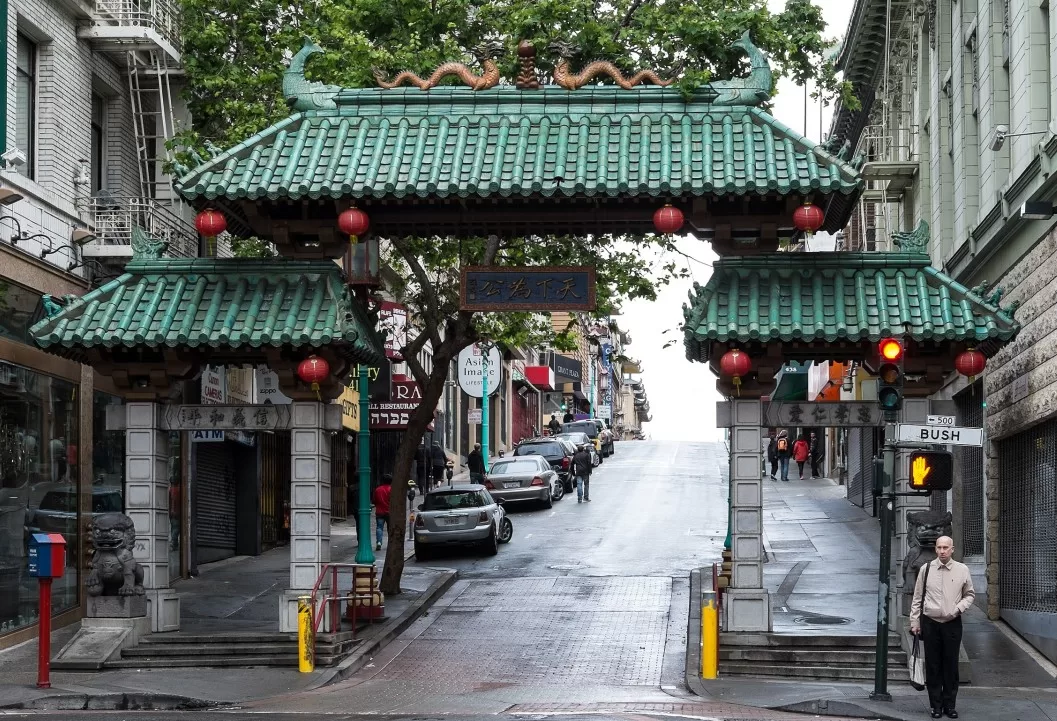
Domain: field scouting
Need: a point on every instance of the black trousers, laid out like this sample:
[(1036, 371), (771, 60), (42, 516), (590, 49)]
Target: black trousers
[(814, 466), (942, 642), (774, 467)]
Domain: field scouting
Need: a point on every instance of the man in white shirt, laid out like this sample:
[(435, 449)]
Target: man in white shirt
[(943, 592)]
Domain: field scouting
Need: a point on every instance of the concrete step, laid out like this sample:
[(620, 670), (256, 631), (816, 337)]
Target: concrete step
[(199, 638), (815, 673), (207, 661), (808, 656), (775, 639), (167, 650)]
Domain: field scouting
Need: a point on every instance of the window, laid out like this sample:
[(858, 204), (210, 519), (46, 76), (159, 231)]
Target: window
[(948, 90), (98, 143), (974, 61), (26, 103)]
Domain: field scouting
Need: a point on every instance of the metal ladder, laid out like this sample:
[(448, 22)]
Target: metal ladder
[(152, 118)]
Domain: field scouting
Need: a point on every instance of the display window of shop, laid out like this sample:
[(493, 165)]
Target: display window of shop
[(39, 486), (20, 308)]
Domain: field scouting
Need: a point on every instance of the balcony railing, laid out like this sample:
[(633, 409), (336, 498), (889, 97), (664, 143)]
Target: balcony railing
[(112, 217), (161, 16)]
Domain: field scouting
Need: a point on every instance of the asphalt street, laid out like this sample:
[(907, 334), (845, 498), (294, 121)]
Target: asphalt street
[(584, 612)]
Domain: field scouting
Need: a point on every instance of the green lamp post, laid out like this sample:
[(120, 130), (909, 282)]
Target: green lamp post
[(364, 551)]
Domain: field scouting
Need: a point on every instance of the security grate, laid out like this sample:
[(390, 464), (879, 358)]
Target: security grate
[(855, 469), (969, 462), (1028, 536)]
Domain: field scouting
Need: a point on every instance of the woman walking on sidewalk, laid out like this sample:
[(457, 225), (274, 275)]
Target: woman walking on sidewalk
[(800, 454)]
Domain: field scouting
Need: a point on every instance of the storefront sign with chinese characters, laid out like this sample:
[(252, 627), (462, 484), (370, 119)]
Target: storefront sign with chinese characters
[(492, 288), (227, 418), (822, 414)]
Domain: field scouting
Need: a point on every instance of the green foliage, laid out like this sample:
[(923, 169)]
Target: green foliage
[(235, 52)]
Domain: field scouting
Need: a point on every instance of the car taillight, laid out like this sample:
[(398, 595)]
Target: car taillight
[(482, 517), (537, 481), (565, 462), (488, 485), (420, 522)]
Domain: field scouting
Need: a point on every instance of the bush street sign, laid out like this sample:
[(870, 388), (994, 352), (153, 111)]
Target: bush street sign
[(944, 435), (493, 288)]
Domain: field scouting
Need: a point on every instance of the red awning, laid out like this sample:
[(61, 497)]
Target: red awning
[(540, 376)]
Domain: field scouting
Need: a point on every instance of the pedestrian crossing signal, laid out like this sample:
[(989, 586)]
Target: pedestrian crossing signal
[(931, 471)]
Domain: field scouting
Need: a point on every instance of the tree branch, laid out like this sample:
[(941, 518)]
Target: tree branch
[(626, 22), (410, 353), (432, 304)]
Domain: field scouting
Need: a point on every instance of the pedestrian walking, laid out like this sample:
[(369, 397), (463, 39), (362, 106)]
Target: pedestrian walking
[(381, 508), (475, 464), (800, 454), (422, 465), (554, 424), (784, 452), (772, 454), (815, 452), (437, 460), (582, 471), (942, 594)]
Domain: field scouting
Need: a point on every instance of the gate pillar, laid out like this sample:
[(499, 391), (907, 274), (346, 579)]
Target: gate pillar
[(309, 507), (748, 605), (147, 504)]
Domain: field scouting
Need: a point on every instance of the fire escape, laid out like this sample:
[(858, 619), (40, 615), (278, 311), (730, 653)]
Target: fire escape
[(143, 36)]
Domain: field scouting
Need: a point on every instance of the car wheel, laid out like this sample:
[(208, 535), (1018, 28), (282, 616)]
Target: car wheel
[(549, 502), (559, 492), (506, 530), (421, 552), (491, 546)]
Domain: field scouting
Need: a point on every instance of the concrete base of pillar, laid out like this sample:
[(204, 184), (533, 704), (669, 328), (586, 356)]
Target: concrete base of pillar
[(163, 609), (747, 609)]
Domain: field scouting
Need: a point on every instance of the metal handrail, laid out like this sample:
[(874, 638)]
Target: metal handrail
[(112, 217), (334, 598), (162, 16)]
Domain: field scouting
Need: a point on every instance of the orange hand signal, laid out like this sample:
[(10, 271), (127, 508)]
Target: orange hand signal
[(919, 472)]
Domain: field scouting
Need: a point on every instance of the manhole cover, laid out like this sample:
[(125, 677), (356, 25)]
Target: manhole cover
[(822, 620)]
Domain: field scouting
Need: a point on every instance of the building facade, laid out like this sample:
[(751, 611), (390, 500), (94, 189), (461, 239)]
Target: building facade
[(959, 128)]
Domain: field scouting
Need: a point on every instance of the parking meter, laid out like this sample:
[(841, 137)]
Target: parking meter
[(47, 561)]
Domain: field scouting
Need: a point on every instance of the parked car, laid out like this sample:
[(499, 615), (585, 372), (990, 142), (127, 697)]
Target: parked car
[(590, 428), (605, 437), (525, 478), (579, 438), (58, 508), (462, 515), (557, 452)]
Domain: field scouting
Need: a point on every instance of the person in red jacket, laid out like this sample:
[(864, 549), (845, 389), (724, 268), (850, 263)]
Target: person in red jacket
[(801, 451), (381, 507)]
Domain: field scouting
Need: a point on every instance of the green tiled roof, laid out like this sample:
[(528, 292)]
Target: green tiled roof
[(218, 304), (837, 296), (455, 142)]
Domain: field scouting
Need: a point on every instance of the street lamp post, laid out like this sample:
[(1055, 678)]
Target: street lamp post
[(364, 551), (484, 404)]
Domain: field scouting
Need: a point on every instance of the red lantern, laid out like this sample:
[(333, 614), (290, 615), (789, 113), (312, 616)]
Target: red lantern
[(808, 218), (210, 223), (313, 370), (668, 219), (970, 363), (735, 363), (353, 222)]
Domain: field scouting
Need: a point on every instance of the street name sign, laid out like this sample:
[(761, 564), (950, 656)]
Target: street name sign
[(944, 435), (941, 420)]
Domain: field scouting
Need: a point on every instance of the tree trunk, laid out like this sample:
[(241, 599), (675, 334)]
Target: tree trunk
[(405, 455)]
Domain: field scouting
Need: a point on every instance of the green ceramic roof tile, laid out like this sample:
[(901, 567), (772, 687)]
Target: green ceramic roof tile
[(454, 142), (836, 296), (204, 302)]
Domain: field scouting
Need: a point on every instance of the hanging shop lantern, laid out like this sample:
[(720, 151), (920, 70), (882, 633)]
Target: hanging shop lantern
[(668, 219), (736, 364), (353, 222), (313, 370), (808, 218), (209, 224), (970, 363)]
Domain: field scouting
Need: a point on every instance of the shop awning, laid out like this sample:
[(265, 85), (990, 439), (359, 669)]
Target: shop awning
[(791, 382)]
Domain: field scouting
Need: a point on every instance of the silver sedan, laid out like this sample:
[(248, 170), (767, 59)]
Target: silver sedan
[(524, 478)]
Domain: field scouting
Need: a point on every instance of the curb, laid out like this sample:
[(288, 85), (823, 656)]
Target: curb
[(112, 702)]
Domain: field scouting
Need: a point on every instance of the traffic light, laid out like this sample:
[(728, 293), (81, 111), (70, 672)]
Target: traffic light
[(890, 374), (931, 471)]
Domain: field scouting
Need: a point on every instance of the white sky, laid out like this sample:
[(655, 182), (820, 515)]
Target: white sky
[(682, 394)]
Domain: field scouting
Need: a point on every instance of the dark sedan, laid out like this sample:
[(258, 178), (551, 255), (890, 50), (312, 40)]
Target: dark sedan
[(559, 455)]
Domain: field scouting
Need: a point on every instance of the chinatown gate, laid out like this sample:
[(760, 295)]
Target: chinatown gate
[(512, 161)]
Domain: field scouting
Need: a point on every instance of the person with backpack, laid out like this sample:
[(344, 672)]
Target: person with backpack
[(582, 471), (800, 453), (772, 454), (784, 451)]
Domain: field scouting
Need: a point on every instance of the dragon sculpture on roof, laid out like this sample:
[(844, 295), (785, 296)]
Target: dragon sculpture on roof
[(486, 53)]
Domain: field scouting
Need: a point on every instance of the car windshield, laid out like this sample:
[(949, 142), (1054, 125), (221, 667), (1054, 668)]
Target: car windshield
[(59, 501), (447, 500), (542, 449), (523, 466), (581, 427)]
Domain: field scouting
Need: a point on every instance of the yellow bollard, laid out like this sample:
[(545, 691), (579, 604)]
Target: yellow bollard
[(306, 636), (709, 635)]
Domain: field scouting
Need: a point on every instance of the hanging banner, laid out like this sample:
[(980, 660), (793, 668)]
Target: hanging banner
[(350, 409), (471, 370), (214, 385), (267, 388), (392, 320)]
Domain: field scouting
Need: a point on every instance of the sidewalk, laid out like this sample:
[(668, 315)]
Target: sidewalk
[(814, 536), (237, 594)]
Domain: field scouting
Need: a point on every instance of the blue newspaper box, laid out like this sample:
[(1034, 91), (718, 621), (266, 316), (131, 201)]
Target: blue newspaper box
[(47, 555)]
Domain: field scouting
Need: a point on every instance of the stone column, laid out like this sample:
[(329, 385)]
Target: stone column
[(748, 604), (147, 504), (309, 506)]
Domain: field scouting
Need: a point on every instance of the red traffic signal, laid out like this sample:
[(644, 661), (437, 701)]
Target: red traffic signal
[(890, 349)]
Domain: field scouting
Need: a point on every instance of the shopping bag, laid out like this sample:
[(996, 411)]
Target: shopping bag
[(916, 664)]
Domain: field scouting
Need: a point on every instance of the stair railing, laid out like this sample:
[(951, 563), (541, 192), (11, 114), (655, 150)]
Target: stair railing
[(324, 594)]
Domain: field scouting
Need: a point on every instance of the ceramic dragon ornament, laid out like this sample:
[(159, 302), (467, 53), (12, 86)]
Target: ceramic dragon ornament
[(751, 90), (302, 94), (565, 78), (486, 53)]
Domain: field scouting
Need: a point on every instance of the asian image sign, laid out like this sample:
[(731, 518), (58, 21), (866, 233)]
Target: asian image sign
[(491, 288)]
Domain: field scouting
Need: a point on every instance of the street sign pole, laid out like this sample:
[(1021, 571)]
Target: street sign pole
[(884, 571), (484, 404)]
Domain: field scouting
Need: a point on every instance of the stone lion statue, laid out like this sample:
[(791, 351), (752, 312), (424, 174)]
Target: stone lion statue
[(113, 571), (923, 528)]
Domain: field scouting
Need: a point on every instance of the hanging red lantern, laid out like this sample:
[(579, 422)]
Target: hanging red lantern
[(808, 218), (210, 223), (668, 219), (353, 222), (970, 363), (313, 370), (735, 363)]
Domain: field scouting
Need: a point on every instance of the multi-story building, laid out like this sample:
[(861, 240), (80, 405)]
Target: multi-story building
[(958, 128)]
